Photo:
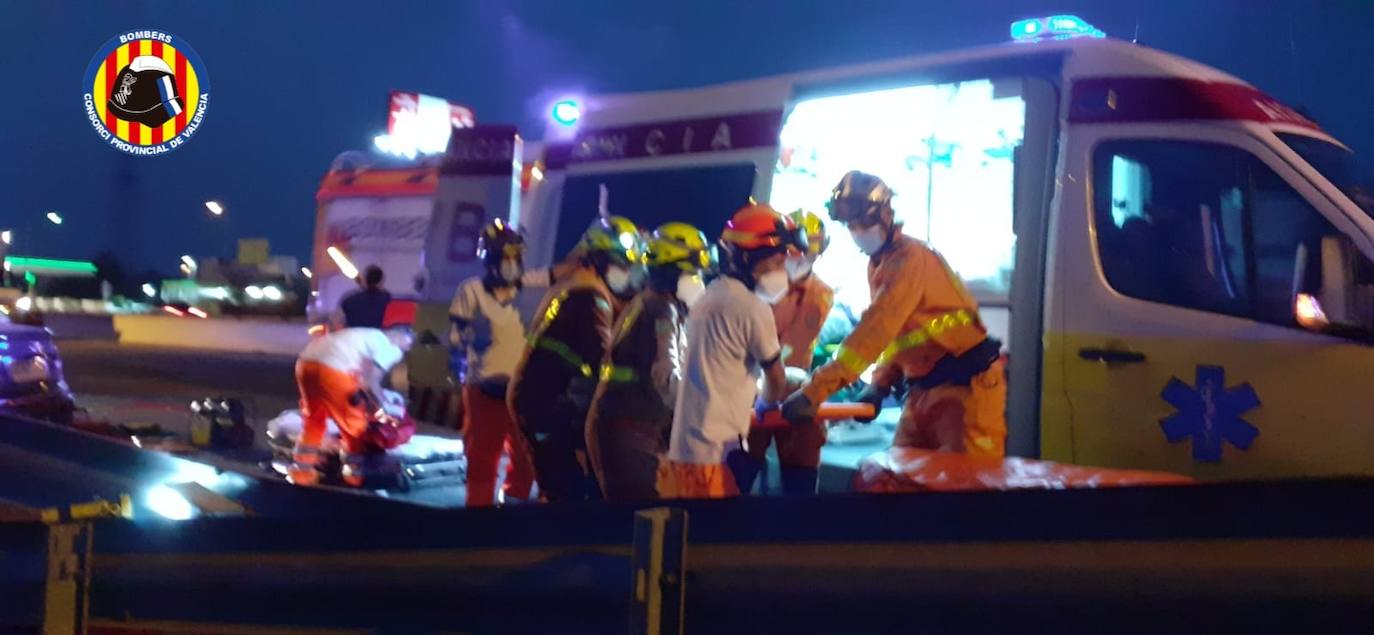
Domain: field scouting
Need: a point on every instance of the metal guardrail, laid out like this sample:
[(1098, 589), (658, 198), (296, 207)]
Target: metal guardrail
[(1175, 559)]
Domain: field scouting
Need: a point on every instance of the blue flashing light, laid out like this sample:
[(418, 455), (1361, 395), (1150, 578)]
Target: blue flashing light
[(1056, 27), (566, 112)]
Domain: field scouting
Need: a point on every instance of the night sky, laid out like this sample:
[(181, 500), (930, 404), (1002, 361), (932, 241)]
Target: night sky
[(295, 83)]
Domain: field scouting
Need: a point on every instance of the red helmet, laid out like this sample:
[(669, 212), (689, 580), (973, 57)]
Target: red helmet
[(756, 232), (759, 226)]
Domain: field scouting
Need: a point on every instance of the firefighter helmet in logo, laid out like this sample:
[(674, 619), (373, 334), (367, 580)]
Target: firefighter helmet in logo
[(146, 92)]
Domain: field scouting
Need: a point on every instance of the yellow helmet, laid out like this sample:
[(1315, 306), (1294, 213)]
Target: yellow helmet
[(679, 244), (616, 237), (814, 227)]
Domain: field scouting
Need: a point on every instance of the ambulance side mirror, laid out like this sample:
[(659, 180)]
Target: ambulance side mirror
[(1344, 303)]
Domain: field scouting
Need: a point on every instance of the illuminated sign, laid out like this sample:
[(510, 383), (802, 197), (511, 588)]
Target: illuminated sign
[(421, 124), (686, 136)]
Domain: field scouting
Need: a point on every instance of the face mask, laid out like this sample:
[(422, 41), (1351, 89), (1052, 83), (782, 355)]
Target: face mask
[(511, 271), (771, 286), (689, 289), (869, 239), (617, 279), (798, 267)]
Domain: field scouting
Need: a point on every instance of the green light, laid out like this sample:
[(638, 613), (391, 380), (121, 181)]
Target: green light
[(78, 266), (30, 279)]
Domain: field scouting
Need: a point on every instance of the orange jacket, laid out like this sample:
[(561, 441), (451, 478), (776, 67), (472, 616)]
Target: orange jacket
[(920, 312), (799, 316)]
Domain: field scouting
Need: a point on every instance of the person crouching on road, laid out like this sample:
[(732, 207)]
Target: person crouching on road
[(799, 317), (340, 377), (488, 337), (632, 410), (922, 330), (551, 390), (731, 336)]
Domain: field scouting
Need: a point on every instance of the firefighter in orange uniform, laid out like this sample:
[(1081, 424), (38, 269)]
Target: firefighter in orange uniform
[(799, 316), (923, 332)]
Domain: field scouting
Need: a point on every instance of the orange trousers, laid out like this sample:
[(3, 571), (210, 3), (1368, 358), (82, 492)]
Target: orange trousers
[(327, 393), (488, 431), (691, 480), (966, 419)]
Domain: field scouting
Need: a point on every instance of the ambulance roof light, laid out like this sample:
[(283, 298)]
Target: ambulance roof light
[(1057, 27)]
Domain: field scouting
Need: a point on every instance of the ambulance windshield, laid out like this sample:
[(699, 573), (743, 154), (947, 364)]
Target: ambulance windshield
[(1335, 163), (947, 152)]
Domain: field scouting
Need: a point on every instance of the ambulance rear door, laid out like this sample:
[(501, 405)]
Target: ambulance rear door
[(1185, 257)]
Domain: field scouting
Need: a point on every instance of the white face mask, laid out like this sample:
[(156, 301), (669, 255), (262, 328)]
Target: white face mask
[(870, 239), (618, 279), (511, 271), (771, 286), (689, 288), (798, 267)]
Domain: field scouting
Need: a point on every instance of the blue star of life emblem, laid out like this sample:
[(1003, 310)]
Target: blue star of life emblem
[(1210, 413)]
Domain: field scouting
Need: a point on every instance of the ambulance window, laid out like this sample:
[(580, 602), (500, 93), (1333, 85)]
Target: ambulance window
[(1203, 226)]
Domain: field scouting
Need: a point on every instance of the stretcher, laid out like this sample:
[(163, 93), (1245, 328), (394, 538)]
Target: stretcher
[(422, 461), (904, 470), (826, 412)]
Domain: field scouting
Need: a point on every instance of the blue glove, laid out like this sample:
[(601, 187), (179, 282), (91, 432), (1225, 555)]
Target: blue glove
[(797, 409), (762, 408)]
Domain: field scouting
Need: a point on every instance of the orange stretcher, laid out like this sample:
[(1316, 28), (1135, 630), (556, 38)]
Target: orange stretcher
[(828, 411), (899, 470)]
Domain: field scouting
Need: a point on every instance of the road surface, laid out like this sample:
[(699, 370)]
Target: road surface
[(131, 384)]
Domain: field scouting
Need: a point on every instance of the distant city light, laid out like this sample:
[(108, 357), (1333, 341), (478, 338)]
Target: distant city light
[(149, 290), (188, 261), (272, 293), (173, 310), (215, 208), (198, 313), (7, 236), (24, 304), (54, 218), (566, 112), (305, 271), (253, 292)]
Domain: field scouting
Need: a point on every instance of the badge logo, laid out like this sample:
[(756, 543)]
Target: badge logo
[(146, 92), (1209, 413)]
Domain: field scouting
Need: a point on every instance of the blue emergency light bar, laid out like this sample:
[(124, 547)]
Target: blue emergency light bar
[(1055, 27)]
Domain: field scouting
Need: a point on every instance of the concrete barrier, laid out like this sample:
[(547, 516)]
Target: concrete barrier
[(244, 336), (77, 326)]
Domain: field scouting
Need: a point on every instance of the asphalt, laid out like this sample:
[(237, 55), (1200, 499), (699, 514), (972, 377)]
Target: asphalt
[(141, 384)]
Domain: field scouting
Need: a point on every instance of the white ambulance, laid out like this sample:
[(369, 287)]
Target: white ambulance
[(1178, 264)]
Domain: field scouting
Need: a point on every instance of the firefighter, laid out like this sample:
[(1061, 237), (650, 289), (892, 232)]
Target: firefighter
[(799, 317), (551, 390), (340, 377), (488, 337), (731, 336), (632, 411), (923, 332)]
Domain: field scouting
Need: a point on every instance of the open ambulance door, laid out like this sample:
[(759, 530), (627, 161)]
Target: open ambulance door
[(1175, 339)]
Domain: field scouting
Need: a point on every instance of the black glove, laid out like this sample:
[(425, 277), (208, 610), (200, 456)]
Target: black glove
[(874, 396), (797, 409)]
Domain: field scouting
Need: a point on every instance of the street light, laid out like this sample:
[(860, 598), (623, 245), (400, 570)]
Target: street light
[(149, 290), (7, 237), (305, 271), (215, 208), (55, 218)]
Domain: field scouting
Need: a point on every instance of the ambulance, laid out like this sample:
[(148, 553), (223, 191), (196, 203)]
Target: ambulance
[(1178, 265)]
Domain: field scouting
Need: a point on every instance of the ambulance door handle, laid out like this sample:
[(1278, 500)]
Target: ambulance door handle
[(1111, 356)]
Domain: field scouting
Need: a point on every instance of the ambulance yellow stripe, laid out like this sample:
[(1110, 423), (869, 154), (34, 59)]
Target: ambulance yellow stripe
[(169, 55), (121, 60)]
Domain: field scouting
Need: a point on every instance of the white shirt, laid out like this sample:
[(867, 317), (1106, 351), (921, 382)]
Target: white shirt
[(495, 336), (352, 350), (730, 332)]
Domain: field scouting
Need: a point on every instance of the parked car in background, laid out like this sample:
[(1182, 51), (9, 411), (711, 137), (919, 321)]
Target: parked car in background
[(31, 379)]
